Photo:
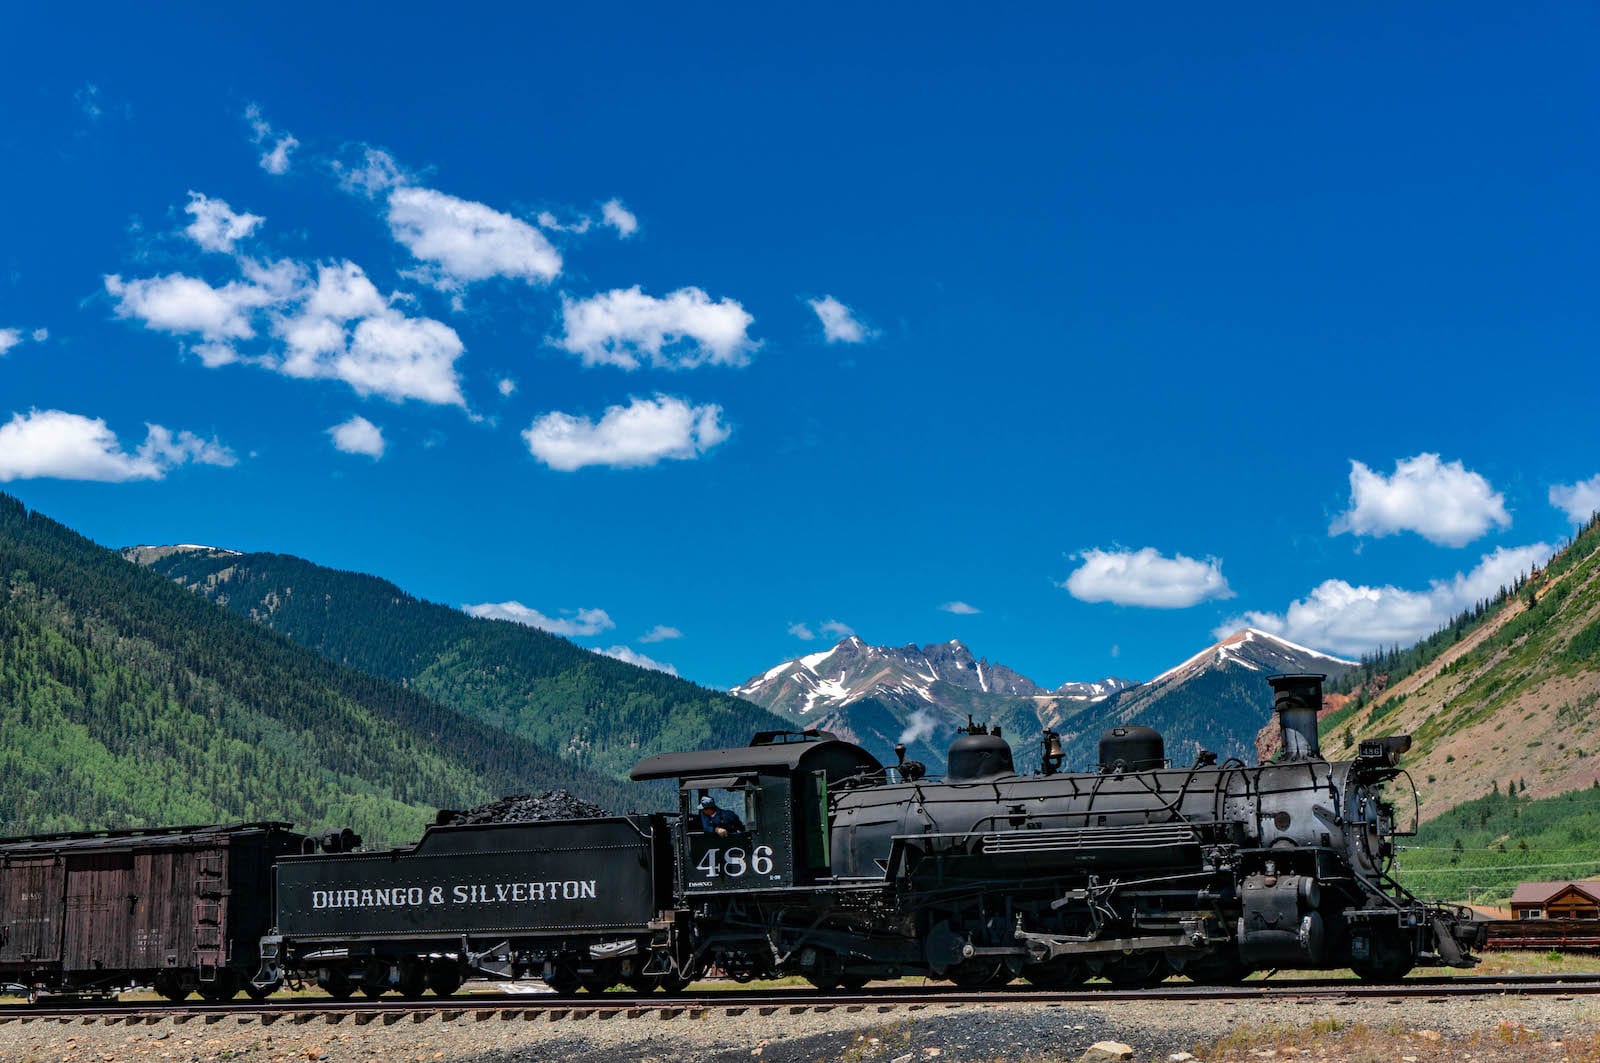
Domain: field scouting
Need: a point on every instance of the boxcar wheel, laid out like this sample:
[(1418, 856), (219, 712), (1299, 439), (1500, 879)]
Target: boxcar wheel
[(224, 987), (170, 986)]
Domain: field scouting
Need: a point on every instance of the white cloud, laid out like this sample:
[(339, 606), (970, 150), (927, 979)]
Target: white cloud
[(275, 160), (1145, 577), (661, 633), (626, 328), (548, 220), (802, 632), (335, 327), (1342, 618), (623, 653), (837, 629), (1441, 501), (839, 324), (960, 608), (377, 174), (1578, 501), (465, 241), (644, 432), (574, 623), (88, 98), (620, 218), (507, 387), (69, 446), (12, 337), (215, 226), (359, 436), (180, 304)]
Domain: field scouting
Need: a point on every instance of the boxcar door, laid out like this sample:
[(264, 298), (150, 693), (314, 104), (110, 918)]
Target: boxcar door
[(31, 900), (101, 911)]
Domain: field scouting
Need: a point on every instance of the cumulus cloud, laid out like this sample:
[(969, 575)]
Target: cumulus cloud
[(661, 633), (358, 436), (839, 323), (837, 629), (960, 608), (9, 338), (1343, 618), (275, 159), (644, 432), (623, 653), (802, 632), (1578, 501), (626, 328), (215, 226), (462, 241), (573, 623), (40, 335), (374, 175), (507, 387), (1443, 502), (620, 218), (68, 446), (1146, 577), (333, 324)]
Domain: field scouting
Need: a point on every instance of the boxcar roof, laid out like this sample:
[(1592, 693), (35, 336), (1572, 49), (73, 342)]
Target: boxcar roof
[(831, 755), (96, 839)]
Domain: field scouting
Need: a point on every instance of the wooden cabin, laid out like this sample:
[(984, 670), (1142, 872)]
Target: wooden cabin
[(1556, 900)]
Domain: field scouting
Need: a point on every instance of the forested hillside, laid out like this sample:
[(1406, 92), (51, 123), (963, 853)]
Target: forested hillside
[(125, 700), (1508, 690), (593, 710)]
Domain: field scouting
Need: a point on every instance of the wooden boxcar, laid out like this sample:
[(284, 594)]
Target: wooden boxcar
[(177, 908)]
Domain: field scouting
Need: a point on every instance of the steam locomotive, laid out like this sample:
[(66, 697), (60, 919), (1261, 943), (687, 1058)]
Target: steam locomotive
[(845, 870)]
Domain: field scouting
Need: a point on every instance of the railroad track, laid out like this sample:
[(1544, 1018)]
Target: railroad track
[(550, 1008)]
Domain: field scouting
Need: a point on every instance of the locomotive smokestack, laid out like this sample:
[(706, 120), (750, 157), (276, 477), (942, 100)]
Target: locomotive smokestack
[(1297, 699)]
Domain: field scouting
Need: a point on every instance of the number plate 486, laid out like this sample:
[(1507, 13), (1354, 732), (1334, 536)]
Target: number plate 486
[(734, 862)]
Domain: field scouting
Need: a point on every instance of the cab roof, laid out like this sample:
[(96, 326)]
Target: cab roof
[(827, 754)]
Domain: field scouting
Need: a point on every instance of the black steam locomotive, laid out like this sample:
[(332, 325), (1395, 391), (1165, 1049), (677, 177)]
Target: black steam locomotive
[(845, 870)]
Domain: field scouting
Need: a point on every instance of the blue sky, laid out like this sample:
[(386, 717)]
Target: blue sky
[(523, 308)]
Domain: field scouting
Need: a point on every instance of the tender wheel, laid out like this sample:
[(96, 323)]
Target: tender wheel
[(644, 984), (1139, 971), (1062, 973), (258, 993), (372, 991), (413, 979), (563, 978), (444, 979), (337, 984), (854, 983)]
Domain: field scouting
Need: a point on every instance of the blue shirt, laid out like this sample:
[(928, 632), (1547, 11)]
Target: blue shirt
[(710, 820)]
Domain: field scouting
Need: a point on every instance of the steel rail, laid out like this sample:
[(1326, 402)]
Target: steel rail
[(481, 1007)]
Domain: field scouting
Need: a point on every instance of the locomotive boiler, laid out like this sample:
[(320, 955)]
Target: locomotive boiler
[(849, 870)]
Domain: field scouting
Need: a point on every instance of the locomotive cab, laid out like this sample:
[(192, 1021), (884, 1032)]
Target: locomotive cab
[(778, 787)]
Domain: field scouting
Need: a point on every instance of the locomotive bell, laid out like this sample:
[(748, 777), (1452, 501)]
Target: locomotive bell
[(1297, 699)]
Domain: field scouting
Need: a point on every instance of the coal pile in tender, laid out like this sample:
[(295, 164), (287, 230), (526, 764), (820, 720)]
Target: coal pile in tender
[(525, 808)]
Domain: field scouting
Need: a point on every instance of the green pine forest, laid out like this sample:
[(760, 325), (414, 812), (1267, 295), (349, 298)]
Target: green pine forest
[(600, 713), (126, 700)]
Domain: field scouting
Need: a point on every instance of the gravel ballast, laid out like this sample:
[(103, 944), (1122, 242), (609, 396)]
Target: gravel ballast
[(1497, 1029)]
